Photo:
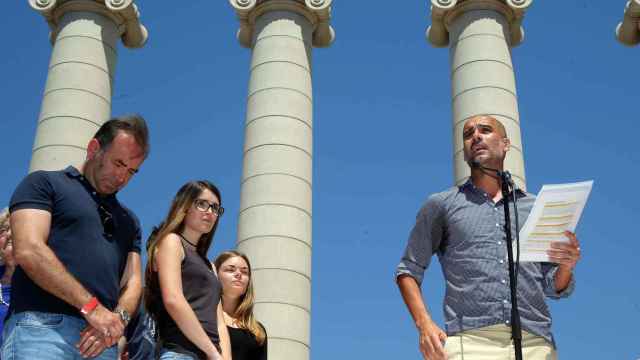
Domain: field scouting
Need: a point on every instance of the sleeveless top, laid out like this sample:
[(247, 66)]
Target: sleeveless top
[(244, 345), (202, 289)]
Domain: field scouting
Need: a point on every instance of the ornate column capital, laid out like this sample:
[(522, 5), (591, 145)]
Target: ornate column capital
[(123, 12), (628, 31), (318, 12), (443, 12)]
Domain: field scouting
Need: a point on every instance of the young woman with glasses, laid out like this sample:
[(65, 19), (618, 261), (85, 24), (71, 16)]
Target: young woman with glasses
[(182, 291), (248, 337)]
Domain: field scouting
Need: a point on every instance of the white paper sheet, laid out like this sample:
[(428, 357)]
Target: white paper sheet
[(557, 208)]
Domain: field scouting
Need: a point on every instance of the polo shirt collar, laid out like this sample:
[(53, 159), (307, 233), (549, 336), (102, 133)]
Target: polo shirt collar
[(74, 173)]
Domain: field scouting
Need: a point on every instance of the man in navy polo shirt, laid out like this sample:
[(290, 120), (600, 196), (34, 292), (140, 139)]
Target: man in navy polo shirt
[(78, 252)]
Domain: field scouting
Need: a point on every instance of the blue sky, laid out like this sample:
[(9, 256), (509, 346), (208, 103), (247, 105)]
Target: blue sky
[(382, 136)]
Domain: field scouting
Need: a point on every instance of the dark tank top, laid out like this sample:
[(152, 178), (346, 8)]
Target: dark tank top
[(202, 290)]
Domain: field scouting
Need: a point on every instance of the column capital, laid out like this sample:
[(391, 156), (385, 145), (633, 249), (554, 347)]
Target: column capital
[(318, 12), (123, 12), (628, 31), (443, 12)]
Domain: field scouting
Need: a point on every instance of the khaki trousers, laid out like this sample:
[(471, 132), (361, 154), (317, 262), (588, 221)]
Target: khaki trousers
[(494, 343)]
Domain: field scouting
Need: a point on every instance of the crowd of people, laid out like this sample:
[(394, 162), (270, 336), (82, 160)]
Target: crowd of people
[(72, 281), (73, 287)]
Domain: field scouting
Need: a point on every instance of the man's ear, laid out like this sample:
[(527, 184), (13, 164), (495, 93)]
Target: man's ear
[(93, 148), (507, 144)]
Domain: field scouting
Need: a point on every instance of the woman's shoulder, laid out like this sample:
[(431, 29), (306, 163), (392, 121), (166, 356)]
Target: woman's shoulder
[(171, 244), (263, 328)]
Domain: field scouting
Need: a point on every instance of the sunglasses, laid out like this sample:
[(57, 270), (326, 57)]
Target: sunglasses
[(107, 221)]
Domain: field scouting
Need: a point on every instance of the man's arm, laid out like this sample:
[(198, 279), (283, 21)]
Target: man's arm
[(431, 336), (91, 344), (131, 284), (425, 238), (30, 229)]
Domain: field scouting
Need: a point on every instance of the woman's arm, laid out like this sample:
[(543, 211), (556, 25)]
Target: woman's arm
[(223, 332), (168, 258)]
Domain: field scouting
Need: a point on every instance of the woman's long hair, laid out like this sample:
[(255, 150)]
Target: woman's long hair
[(174, 223), (244, 311)]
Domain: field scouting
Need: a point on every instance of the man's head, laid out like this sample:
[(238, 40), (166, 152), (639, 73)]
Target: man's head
[(6, 243), (485, 141), (116, 152)]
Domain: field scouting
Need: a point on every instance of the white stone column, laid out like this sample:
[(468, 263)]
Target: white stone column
[(274, 225), (77, 95), (480, 34), (628, 31)]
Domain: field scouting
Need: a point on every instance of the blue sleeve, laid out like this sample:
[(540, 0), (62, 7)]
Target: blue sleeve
[(137, 239), (549, 282), (34, 192), (425, 239)]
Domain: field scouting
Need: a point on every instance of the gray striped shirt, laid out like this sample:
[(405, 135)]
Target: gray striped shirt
[(466, 229)]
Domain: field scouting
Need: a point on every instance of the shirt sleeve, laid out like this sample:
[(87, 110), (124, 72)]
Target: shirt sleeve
[(424, 240), (34, 192), (549, 271), (137, 239)]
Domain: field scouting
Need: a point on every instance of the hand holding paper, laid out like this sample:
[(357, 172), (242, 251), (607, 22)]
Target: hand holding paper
[(556, 211)]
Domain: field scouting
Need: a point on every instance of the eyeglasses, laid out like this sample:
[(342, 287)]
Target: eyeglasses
[(107, 221), (204, 206)]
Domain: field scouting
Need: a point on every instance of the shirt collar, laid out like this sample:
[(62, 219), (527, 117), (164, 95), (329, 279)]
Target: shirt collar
[(468, 186), (74, 173)]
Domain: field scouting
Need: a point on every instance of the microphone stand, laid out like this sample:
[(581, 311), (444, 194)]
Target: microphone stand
[(516, 328)]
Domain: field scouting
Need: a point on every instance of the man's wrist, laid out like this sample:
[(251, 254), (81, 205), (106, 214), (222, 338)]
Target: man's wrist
[(125, 317), (89, 306)]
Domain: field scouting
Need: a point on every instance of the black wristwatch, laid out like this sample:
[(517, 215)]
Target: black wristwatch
[(124, 315)]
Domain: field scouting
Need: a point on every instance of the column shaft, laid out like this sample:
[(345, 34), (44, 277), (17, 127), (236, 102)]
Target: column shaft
[(77, 96), (274, 226), (483, 82)]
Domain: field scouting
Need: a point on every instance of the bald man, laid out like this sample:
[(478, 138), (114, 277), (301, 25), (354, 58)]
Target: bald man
[(464, 226)]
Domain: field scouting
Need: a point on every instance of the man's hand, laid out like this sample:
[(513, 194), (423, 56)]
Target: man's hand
[(432, 340), (566, 254), (108, 324), (91, 343)]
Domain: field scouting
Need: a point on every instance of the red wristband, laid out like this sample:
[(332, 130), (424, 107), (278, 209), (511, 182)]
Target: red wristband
[(89, 306)]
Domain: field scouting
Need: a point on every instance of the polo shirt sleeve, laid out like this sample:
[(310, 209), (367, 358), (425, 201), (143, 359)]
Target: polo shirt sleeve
[(425, 239), (549, 282), (137, 239), (34, 192)]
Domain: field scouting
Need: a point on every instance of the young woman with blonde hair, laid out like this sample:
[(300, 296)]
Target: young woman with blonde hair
[(248, 337), (182, 291)]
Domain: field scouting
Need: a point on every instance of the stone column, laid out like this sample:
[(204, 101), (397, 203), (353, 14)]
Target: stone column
[(628, 31), (274, 225), (480, 34), (77, 95)]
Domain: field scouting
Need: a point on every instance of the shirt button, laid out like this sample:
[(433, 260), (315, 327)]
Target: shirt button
[(501, 261), (504, 301), (499, 242), (503, 281), (507, 322), (497, 225)]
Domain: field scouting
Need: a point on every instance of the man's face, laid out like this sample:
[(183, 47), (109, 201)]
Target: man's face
[(6, 248), (485, 141), (112, 168)]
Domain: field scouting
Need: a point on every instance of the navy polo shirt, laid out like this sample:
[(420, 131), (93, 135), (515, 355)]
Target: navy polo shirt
[(77, 237)]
